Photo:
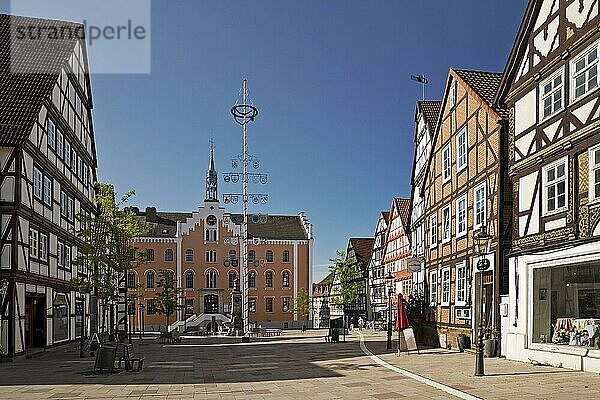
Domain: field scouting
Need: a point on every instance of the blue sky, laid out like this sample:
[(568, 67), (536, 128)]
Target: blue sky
[(331, 80)]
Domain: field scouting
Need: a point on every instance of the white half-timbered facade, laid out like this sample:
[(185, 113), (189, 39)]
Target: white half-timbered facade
[(377, 288), (48, 166), (550, 86)]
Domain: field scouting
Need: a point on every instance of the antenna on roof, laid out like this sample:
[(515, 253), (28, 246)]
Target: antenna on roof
[(422, 80)]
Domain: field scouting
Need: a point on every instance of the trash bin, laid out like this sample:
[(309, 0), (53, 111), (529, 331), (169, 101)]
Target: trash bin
[(335, 335)]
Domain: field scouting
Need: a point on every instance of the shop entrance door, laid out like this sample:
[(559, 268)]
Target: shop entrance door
[(35, 324)]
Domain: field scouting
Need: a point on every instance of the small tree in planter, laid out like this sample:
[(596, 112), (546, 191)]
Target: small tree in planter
[(166, 302), (346, 283)]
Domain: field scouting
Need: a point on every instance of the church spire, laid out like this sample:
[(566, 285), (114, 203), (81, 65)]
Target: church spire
[(211, 176)]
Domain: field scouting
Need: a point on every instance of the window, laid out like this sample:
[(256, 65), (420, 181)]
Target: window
[(37, 183), (211, 256), (446, 163), (461, 149), (585, 72), (189, 306), (446, 287), (150, 255), (551, 92), (66, 257), (211, 235), (461, 284), (169, 278), (70, 208), (232, 277), (211, 279), (252, 280), (252, 305), (150, 280), (285, 279), (131, 280), (169, 255), (59, 143), (251, 256), (33, 243), (150, 309), (232, 255), (479, 206), (433, 230), (189, 255), (43, 247), (452, 94), (433, 288), (269, 304), (446, 228), (286, 256), (555, 186), (189, 280), (594, 179), (269, 279), (51, 129), (63, 204), (76, 170), (60, 250), (285, 307), (461, 216), (48, 191), (269, 256), (68, 154)]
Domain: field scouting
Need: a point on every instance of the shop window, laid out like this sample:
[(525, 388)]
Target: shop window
[(60, 318)]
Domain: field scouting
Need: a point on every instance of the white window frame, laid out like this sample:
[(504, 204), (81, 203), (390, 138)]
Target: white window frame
[(60, 254), (462, 266), (447, 228), (51, 132), (433, 231), (453, 94), (585, 71), (59, 144), (47, 191), (67, 154), (565, 161), (38, 183), (189, 255), (433, 288), (43, 247), (560, 89), (594, 165), (481, 186), (460, 165), (461, 216), (446, 292), (64, 200), (463, 313), (33, 243), (447, 169)]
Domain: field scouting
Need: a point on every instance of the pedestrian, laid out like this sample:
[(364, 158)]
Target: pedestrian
[(361, 323)]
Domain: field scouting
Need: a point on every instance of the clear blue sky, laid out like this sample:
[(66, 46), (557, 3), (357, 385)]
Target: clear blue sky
[(331, 80)]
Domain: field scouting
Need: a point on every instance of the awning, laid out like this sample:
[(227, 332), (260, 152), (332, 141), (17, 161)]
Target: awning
[(403, 275)]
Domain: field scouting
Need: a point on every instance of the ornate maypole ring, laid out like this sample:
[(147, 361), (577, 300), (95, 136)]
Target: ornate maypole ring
[(244, 113)]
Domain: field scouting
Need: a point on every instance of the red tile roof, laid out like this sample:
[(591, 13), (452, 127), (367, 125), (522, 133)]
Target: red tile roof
[(404, 207), (363, 247), (431, 111)]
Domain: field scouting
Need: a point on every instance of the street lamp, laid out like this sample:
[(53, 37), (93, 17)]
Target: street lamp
[(185, 314), (141, 307), (390, 280), (481, 240)]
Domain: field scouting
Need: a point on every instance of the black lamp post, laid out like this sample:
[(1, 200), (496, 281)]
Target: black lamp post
[(82, 291), (185, 313), (390, 280), (141, 322), (481, 240)]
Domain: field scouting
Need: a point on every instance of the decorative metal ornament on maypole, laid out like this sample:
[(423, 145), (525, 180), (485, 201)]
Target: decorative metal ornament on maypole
[(243, 114)]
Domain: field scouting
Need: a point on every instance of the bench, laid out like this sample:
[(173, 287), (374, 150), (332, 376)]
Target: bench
[(124, 352)]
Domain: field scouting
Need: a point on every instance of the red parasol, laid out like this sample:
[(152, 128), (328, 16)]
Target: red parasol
[(401, 317)]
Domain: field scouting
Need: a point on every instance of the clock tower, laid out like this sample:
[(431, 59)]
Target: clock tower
[(211, 177)]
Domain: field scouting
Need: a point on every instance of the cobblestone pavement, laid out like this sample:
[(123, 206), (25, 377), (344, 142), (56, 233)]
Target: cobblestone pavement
[(294, 366)]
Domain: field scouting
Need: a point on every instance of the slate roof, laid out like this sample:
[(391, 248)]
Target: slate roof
[(404, 210), (363, 247), (22, 94), (431, 111), (485, 84), (277, 227)]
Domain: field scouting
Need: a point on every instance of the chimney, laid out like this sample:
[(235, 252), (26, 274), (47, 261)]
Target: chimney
[(150, 214)]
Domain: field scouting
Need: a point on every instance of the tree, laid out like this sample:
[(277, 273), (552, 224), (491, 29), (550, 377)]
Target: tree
[(167, 301), (301, 305), (346, 285), (105, 250)]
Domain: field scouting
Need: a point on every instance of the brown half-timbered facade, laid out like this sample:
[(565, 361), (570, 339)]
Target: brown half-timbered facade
[(550, 86), (463, 190), (47, 170)]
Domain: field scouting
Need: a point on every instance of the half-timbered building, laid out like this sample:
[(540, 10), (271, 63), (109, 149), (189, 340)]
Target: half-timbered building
[(48, 165), (426, 117), (550, 87), (377, 284), (320, 302), (397, 245), (463, 191)]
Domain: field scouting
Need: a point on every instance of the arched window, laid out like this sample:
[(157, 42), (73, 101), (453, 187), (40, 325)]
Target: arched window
[(169, 255), (189, 255), (232, 277), (131, 280), (269, 256), (252, 279), (251, 256), (211, 279), (269, 279), (150, 280), (285, 279), (286, 256), (189, 280)]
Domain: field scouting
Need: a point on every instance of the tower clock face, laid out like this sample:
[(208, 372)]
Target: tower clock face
[(211, 220)]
